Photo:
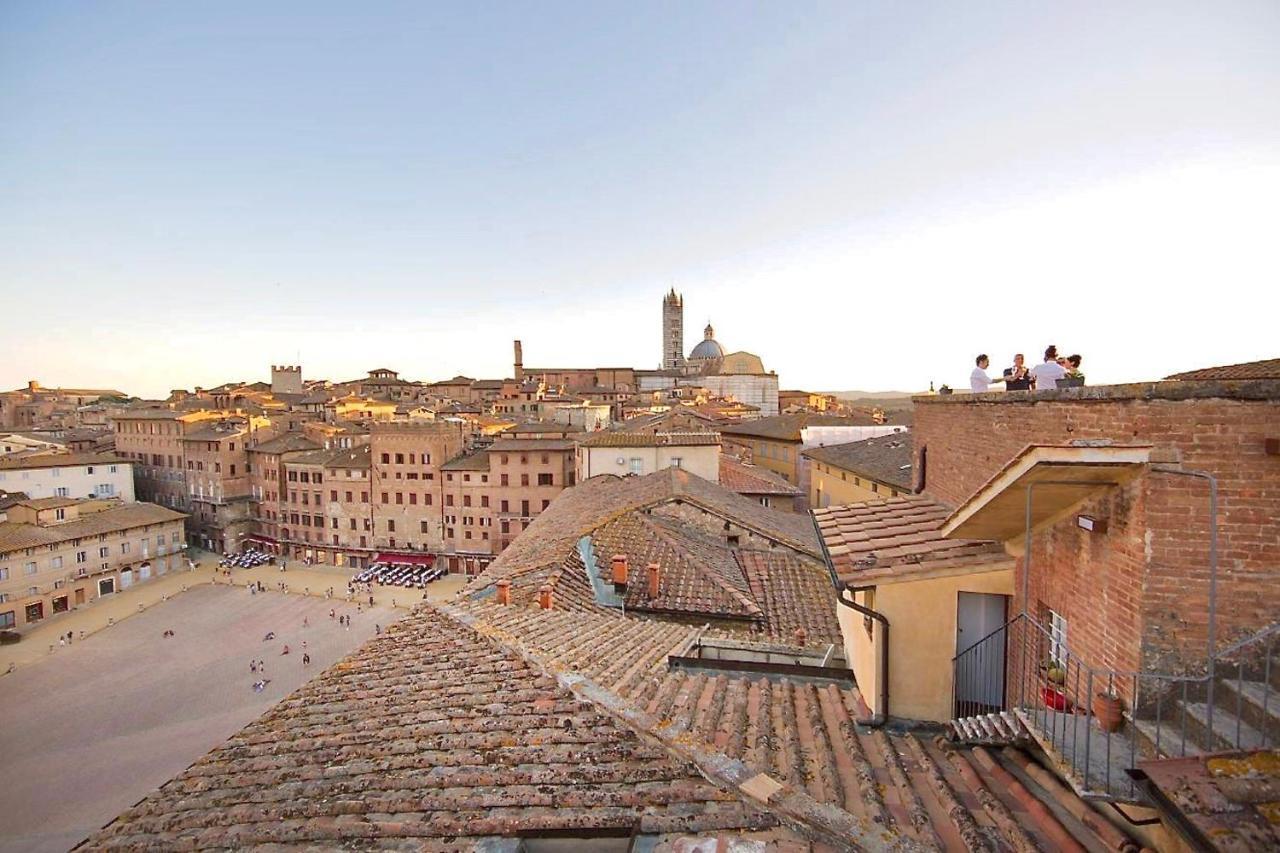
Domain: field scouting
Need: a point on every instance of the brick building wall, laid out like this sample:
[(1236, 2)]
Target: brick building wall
[(405, 482), (1135, 597)]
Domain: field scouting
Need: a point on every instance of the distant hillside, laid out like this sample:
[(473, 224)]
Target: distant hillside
[(874, 395)]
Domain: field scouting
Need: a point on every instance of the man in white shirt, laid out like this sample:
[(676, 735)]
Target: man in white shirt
[(1047, 374), (979, 381)]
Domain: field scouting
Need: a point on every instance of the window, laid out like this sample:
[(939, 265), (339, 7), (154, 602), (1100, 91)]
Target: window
[(675, 461), (448, 500), (391, 525), (484, 500), (544, 480), (4, 574), (29, 569), (60, 492), (413, 498), (466, 500), (1057, 637), (505, 506), (400, 497), (505, 480), (524, 508), (55, 563), (386, 459), (399, 458), (637, 465), (60, 514), (6, 619), (425, 526), (546, 504)]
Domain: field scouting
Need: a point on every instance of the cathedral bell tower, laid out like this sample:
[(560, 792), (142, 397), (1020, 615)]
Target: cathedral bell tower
[(672, 331)]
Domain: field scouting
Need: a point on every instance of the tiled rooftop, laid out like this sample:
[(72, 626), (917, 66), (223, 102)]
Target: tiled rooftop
[(753, 480), (651, 439), (886, 458), (897, 536), (1266, 369), (14, 535), (429, 733), (878, 788), (60, 460)]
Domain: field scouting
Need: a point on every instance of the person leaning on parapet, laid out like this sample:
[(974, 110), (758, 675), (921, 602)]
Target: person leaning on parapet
[(1047, 373), (979, 381)]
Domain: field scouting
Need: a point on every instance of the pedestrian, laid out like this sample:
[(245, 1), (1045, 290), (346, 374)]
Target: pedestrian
[(304, 645), (393, 602), (306, 623), (286, 649), (62, 642), (82, 633), (377, 629), (371, 601), (253, 666), (331, 613), (358, 608), (306, 660), (262, 666)]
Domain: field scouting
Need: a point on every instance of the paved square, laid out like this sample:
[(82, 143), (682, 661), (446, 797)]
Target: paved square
[(89, 732)]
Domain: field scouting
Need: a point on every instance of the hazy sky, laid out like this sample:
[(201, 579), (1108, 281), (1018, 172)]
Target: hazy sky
[(866, 195)]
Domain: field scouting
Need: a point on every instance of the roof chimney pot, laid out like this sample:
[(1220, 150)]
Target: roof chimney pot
[(655, 579), (544, 596), (620, 570), (504, 592)]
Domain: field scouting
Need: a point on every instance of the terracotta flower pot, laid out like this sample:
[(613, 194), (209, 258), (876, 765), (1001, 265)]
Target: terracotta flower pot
[(1109, 712)]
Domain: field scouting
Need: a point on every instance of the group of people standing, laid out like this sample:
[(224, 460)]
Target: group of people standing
[(1019, 377)]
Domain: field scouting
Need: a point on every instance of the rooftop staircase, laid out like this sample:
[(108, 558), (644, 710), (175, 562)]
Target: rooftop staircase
[(1025, 697)]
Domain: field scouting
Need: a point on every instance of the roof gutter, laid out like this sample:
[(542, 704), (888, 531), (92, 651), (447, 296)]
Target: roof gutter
[(878, 718)]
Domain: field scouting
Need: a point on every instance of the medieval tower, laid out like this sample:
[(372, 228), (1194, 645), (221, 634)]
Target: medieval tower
[(672, 331)]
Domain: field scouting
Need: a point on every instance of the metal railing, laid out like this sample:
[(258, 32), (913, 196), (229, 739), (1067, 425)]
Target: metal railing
[(1022, 668)]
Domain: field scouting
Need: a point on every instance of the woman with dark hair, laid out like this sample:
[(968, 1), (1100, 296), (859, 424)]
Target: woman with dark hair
[(1047, 373)]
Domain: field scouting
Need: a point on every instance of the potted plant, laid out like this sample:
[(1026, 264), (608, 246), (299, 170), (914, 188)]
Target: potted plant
[(1055, 672), (1108, 710), (1074, 380)]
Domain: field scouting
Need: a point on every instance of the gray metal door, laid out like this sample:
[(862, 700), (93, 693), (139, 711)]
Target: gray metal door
[(982, 678)]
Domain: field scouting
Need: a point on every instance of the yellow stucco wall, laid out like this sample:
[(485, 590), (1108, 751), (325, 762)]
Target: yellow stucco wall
[(922, 640), (833, 486)]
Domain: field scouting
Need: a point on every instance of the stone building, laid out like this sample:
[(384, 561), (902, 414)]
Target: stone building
[(37, 406), (866, 470), (57, 554), (404, 480), (268, 486), (154, 440)]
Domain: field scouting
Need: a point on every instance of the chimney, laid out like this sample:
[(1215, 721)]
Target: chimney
[(544, 596), (504, 592), (801, 636), (655, 579), (619, 571)]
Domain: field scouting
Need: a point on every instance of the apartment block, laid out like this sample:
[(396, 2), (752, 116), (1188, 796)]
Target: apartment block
[(404, 482), (69, 475), (60, 553)]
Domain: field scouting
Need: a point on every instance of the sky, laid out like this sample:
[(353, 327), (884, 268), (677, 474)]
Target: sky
[(864, 194)]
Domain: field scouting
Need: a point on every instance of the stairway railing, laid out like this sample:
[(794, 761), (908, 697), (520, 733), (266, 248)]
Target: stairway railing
[(1022, 667)]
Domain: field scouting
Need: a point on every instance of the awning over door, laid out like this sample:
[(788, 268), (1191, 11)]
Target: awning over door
[(1063, 476)]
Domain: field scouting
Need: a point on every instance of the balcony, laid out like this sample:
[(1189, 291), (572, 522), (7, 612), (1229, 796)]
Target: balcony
[(1007, 688)]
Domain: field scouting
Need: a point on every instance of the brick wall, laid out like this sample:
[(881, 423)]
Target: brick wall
[(1136, 596)]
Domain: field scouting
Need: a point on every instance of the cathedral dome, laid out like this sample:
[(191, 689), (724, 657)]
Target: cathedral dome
[(708, 349)]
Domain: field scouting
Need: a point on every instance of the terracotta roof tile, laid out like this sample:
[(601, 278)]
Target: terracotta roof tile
[(1266, 369), (14, 535), (896, 536), (435, 732), (752, 480)]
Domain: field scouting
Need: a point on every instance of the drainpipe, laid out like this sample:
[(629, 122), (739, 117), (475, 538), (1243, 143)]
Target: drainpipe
[(1212, 626), (879, 718)]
